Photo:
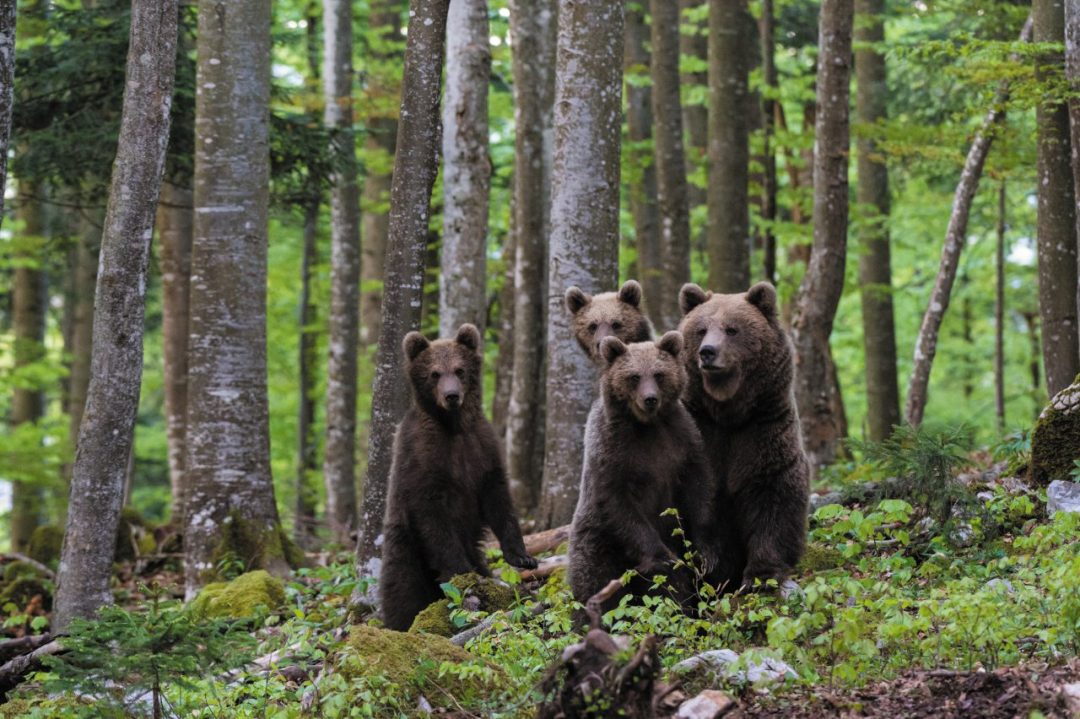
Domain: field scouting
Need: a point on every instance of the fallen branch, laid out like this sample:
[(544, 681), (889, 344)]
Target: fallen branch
[(595, 602), (13, 672), (546, 568), (10, 648), (540, 542), (16, 557), (472, 632)]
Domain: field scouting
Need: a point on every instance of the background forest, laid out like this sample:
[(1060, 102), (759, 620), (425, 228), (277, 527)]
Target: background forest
[(950, 160)]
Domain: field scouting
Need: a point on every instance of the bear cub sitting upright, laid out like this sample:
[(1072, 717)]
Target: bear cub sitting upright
[(642, 452), (608, 314), (447, 481)]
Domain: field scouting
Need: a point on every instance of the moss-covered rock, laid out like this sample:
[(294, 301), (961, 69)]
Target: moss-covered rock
[(478, 594), (405, 666), (45, 544), (21, 583), (1055, 441), (63, 707), (819, 558), (240, 598)]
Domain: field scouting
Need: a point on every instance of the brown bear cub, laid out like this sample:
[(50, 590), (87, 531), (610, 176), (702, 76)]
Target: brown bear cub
[(447, 481), (643, 455), (608, 314), (739, 363)]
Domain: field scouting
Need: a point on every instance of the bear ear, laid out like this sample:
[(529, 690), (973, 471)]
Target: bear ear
[(414, 344), (611, 349), (469, 336), (763, 296), (690, 296), (672, 343), (576, 300), (630, 293)]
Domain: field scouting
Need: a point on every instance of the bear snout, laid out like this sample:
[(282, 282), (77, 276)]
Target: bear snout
[(449, 392), (707, 353), (651, 402)]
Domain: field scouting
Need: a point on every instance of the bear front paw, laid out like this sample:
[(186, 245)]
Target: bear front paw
[(522, 561)]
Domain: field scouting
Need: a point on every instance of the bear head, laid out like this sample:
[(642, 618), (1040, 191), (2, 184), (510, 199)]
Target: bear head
[(609, 314), (644, 378), (734, 343), (445, 374)]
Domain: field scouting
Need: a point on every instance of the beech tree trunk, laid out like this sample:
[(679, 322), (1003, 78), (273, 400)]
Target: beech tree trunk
[(307, 445), (7, 89), (81, 336), (503, 322), (584, 227), (231, 498), (419, 138), (999, 313), (671, 187), (339, 462), (1072, 75), (926, 344), (694, 45), (875, 268), (466, 168), (641, 168), (770, 93), (532, 30), (380, 114), (729, 147), (107, 432), (819, 294), (175, 223)]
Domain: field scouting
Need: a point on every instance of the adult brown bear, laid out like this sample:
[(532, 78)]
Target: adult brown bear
[(739, 362), (447, 482)]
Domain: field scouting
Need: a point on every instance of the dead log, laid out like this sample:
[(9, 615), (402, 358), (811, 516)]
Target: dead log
[(546, 568), (539, 542), (13, 672), (11, 648)]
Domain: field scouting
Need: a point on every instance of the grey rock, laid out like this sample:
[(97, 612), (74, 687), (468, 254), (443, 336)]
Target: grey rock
[(1000, 584), (1062, 496), (722, 662), (709, 704)]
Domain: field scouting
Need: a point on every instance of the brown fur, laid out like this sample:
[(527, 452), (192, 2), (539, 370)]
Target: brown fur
[(609, 314), (739, 364), (447, 482), (642, 453)]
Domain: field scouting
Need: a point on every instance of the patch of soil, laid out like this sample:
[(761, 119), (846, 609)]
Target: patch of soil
[(1009, 693)]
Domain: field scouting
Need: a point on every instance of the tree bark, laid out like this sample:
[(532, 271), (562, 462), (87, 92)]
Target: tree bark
[(307, 445), (532, 29), (999, 313), (339, 462), (466, 168), (28, 308), (671, 188), (1031, 320), (823, 283), (770, 93), (84, 278), (107, 432), (641, 166), (694, 45), (231, 501), (380, 113), (419, 138), (175, 221), (7, 89), (504, 332), (729, 147), (926, 344), (875, 268), (584, 227), (1072, 75)]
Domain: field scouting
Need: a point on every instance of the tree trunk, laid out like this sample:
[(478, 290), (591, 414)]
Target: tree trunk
[(770, 93), (28, 308), (504, 332), (231, 512), (7, 89), (729, 147), (466, 168), (671, 189), (1031, 320), (307, 447), (419, 137), (823, 283), (694, 45), (81, 335), (175, 220), (584, 227), (1072, 75), (380, 112), (999, 314), (339, 462), (926, 345), (875, 269), (641, 168), (107, 433), (532, 29)]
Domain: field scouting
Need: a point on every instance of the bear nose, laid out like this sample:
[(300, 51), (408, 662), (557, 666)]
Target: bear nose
[(651, 402), (707, 353), (453, 397)]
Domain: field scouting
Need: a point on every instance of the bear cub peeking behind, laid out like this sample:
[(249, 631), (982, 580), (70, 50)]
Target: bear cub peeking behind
[(643, 454), (447, 481), (608, 314)]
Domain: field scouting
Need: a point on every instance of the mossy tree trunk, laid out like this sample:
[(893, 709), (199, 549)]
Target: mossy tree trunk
[(228, 442), (108, 427)]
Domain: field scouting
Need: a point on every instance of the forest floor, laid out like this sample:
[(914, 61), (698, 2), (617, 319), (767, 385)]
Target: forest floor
[(917, 598)]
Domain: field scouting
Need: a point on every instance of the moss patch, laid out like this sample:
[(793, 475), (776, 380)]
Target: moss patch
[(411, 663), (1055, 441), (45, 544), (255, 546), (434, 619), (21, 583), (240, 598), (62, 707), (819, 558), (489, 595)]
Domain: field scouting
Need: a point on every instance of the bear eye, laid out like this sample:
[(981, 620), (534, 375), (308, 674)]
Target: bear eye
[(460, 373), (702, 332), (635, 378), (616, 326), (731, 331), (434, 375), (592, 328)]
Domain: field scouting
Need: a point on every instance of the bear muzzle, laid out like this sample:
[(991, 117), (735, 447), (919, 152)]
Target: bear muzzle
[(449, 392)]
